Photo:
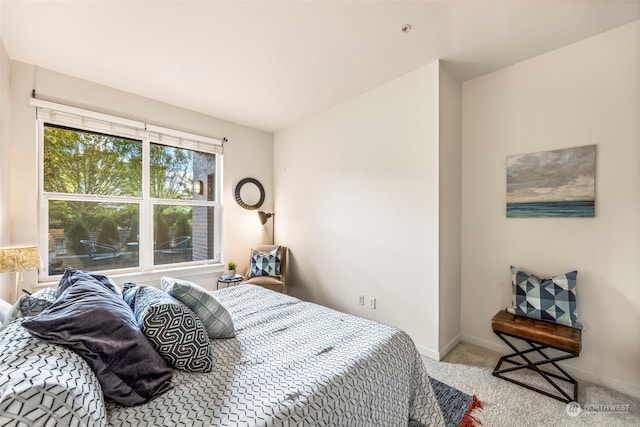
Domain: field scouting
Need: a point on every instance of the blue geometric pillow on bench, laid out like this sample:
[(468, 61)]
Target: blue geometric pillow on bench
[(551, 300)]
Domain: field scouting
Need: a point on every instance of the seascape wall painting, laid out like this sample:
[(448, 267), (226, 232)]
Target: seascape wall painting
[(557, 183)]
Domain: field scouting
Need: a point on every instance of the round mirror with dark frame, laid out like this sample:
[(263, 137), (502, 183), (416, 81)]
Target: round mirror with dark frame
[(249, 193)]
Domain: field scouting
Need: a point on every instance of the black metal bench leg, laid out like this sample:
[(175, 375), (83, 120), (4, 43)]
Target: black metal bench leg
[(535, 366)]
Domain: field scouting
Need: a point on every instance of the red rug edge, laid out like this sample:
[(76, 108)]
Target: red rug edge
[(469, 420)]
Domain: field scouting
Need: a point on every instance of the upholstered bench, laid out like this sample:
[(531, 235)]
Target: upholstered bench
[(540, 336)]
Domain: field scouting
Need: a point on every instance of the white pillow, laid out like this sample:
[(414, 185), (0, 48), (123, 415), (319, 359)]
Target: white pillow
[(5, 308)]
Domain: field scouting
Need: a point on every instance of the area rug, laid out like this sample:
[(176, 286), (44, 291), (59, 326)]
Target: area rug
[(455, 405)]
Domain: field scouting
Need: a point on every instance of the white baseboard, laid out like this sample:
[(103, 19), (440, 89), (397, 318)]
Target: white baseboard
[(431, 354), (438, 355), (581, 374), (617, 385), (447, 348), (497, 347)]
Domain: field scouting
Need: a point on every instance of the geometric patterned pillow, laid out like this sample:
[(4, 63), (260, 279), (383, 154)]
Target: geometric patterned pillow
[(551, 300), (33, 304), (215, 317), (265, 263), (173, 329), (30, 305)]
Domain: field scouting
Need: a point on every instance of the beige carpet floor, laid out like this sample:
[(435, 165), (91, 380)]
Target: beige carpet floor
[(468, 368)]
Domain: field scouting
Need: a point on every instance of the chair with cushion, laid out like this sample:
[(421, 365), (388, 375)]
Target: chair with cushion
[(267, 267)]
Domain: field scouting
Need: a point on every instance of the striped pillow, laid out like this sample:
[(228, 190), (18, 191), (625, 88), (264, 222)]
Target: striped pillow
[(215, 317)]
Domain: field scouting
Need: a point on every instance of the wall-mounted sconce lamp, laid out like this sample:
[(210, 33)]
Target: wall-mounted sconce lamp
[(198, 187), (264, 217)]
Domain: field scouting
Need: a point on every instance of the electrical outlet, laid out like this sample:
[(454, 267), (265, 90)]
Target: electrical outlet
[(372, 303), (360, 299)]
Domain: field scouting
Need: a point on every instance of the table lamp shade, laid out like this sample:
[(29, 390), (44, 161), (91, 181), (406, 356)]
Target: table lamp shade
[(13, 260)]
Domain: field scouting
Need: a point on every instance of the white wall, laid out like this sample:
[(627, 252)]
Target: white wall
[(450, 124), (249, 153), (585, 93), (357, 201), (5, 226)]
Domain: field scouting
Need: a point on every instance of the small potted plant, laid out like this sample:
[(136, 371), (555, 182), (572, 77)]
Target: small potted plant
[(231, 268)]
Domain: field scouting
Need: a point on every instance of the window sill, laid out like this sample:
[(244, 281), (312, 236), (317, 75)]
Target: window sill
[(203, 275)]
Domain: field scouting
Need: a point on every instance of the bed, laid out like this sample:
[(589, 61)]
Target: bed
[(291, 363)]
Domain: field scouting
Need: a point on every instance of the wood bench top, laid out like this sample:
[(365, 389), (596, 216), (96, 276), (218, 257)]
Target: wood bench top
[(551, 334)]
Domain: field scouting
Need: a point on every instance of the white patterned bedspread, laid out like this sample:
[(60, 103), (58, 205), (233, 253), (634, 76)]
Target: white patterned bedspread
[(294, 363)]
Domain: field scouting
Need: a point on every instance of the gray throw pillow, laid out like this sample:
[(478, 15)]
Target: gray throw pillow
[(214, 316), (71, 275)]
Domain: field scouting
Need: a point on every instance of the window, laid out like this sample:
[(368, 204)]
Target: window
[(121, 195)]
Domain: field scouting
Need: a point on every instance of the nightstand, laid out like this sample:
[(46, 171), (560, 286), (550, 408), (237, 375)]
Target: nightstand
[(229, 281)]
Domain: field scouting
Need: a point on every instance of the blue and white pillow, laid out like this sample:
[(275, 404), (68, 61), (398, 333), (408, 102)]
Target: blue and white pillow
[(551, 300), (214, 316), (266, 263), (173, 329)]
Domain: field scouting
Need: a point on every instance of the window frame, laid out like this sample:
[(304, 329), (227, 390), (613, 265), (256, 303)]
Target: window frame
[(85, 120)]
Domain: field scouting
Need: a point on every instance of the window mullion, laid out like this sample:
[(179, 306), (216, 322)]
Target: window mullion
[(217, 225), (90, 197), (183, 202), (43, 214), (146, 213)]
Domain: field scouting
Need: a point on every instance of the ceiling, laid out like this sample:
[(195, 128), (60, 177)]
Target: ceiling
[(268, 64)]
